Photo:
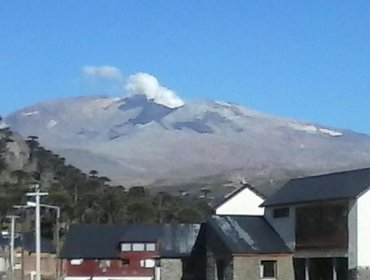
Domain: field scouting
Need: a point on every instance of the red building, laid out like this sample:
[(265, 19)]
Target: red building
[(132, 251)]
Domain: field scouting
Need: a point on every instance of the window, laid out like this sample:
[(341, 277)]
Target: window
[(281, 212), (124, 263), (76, 262), (104, 263), (125, 247), (150, 247), (149, 263), (138, 247), (268, 269)]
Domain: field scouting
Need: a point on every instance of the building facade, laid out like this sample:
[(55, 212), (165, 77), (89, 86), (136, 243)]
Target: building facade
[(246, 247), (312, 228), (132, 251), (325, 220)]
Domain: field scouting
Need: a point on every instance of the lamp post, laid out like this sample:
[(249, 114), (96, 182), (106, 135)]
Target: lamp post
[(12, 231), (37, 194), (57, 226)]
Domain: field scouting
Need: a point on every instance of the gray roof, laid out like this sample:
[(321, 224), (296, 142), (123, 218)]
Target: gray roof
[(247, 235), (332, 186), (103, 241), (27, 242)]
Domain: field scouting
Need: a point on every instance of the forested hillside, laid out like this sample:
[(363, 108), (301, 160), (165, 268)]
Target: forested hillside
[(85, 198)]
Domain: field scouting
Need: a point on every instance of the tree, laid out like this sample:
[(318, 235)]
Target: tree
[(137, 193), (93, 173), (33, 144), (141, 212), (21, 176), (190, 215), (113, 202), (90, 198)]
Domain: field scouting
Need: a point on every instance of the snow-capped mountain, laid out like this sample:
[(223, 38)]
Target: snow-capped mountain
[(136, 140)]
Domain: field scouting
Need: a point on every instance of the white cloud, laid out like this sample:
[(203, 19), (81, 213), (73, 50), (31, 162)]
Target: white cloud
[(148, 85), (104, 72)]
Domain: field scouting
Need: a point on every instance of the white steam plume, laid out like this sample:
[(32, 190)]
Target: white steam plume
[(104, 72), (148, 85)]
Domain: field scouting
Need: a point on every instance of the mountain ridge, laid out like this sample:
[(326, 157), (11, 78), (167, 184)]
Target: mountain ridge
[(134, 140)]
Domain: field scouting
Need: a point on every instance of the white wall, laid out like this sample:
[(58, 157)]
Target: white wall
[(284, 226), (246, 202), (363, 230), (3, 264), (352, 234)]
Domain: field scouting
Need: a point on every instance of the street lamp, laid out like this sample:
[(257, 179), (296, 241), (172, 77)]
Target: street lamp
[(37, 194), (57, 226)]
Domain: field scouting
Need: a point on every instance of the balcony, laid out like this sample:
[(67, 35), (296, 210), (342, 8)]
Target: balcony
[(322, 226)]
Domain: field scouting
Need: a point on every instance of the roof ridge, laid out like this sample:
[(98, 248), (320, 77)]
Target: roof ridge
[(331, 173), (329, 186)]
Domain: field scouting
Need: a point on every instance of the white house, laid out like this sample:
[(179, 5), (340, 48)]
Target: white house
[(325, 220), (243, 201)]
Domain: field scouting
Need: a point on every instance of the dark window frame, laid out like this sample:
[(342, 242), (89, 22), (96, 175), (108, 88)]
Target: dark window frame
[(268, 269), (124, 263), (282, 212)]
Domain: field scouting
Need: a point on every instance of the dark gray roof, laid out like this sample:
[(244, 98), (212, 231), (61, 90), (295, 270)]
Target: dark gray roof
[(333, 186), (27, 242), (247, 235), (177, 240), (5, 240), (92, 241), (141, 232), (103, 241)]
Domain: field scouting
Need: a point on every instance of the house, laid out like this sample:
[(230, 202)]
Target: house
[(312, 228), (131, 251), (325, 220), (245, 247), (25, 257), (245, 200)]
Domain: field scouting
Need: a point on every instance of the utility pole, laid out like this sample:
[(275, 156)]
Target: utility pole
[(22, 209), (57, 240), (12, 234), (37, 194), (57, 227)]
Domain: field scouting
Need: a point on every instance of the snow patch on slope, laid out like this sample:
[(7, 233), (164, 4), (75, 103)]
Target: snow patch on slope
[(3, 125), (51, 124), (308, 128), (31, 113), (330, 132)]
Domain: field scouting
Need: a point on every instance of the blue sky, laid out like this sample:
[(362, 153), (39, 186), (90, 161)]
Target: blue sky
[(308, 60)]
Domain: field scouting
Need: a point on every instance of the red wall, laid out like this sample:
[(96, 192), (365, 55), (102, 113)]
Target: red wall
[(91, 267)]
